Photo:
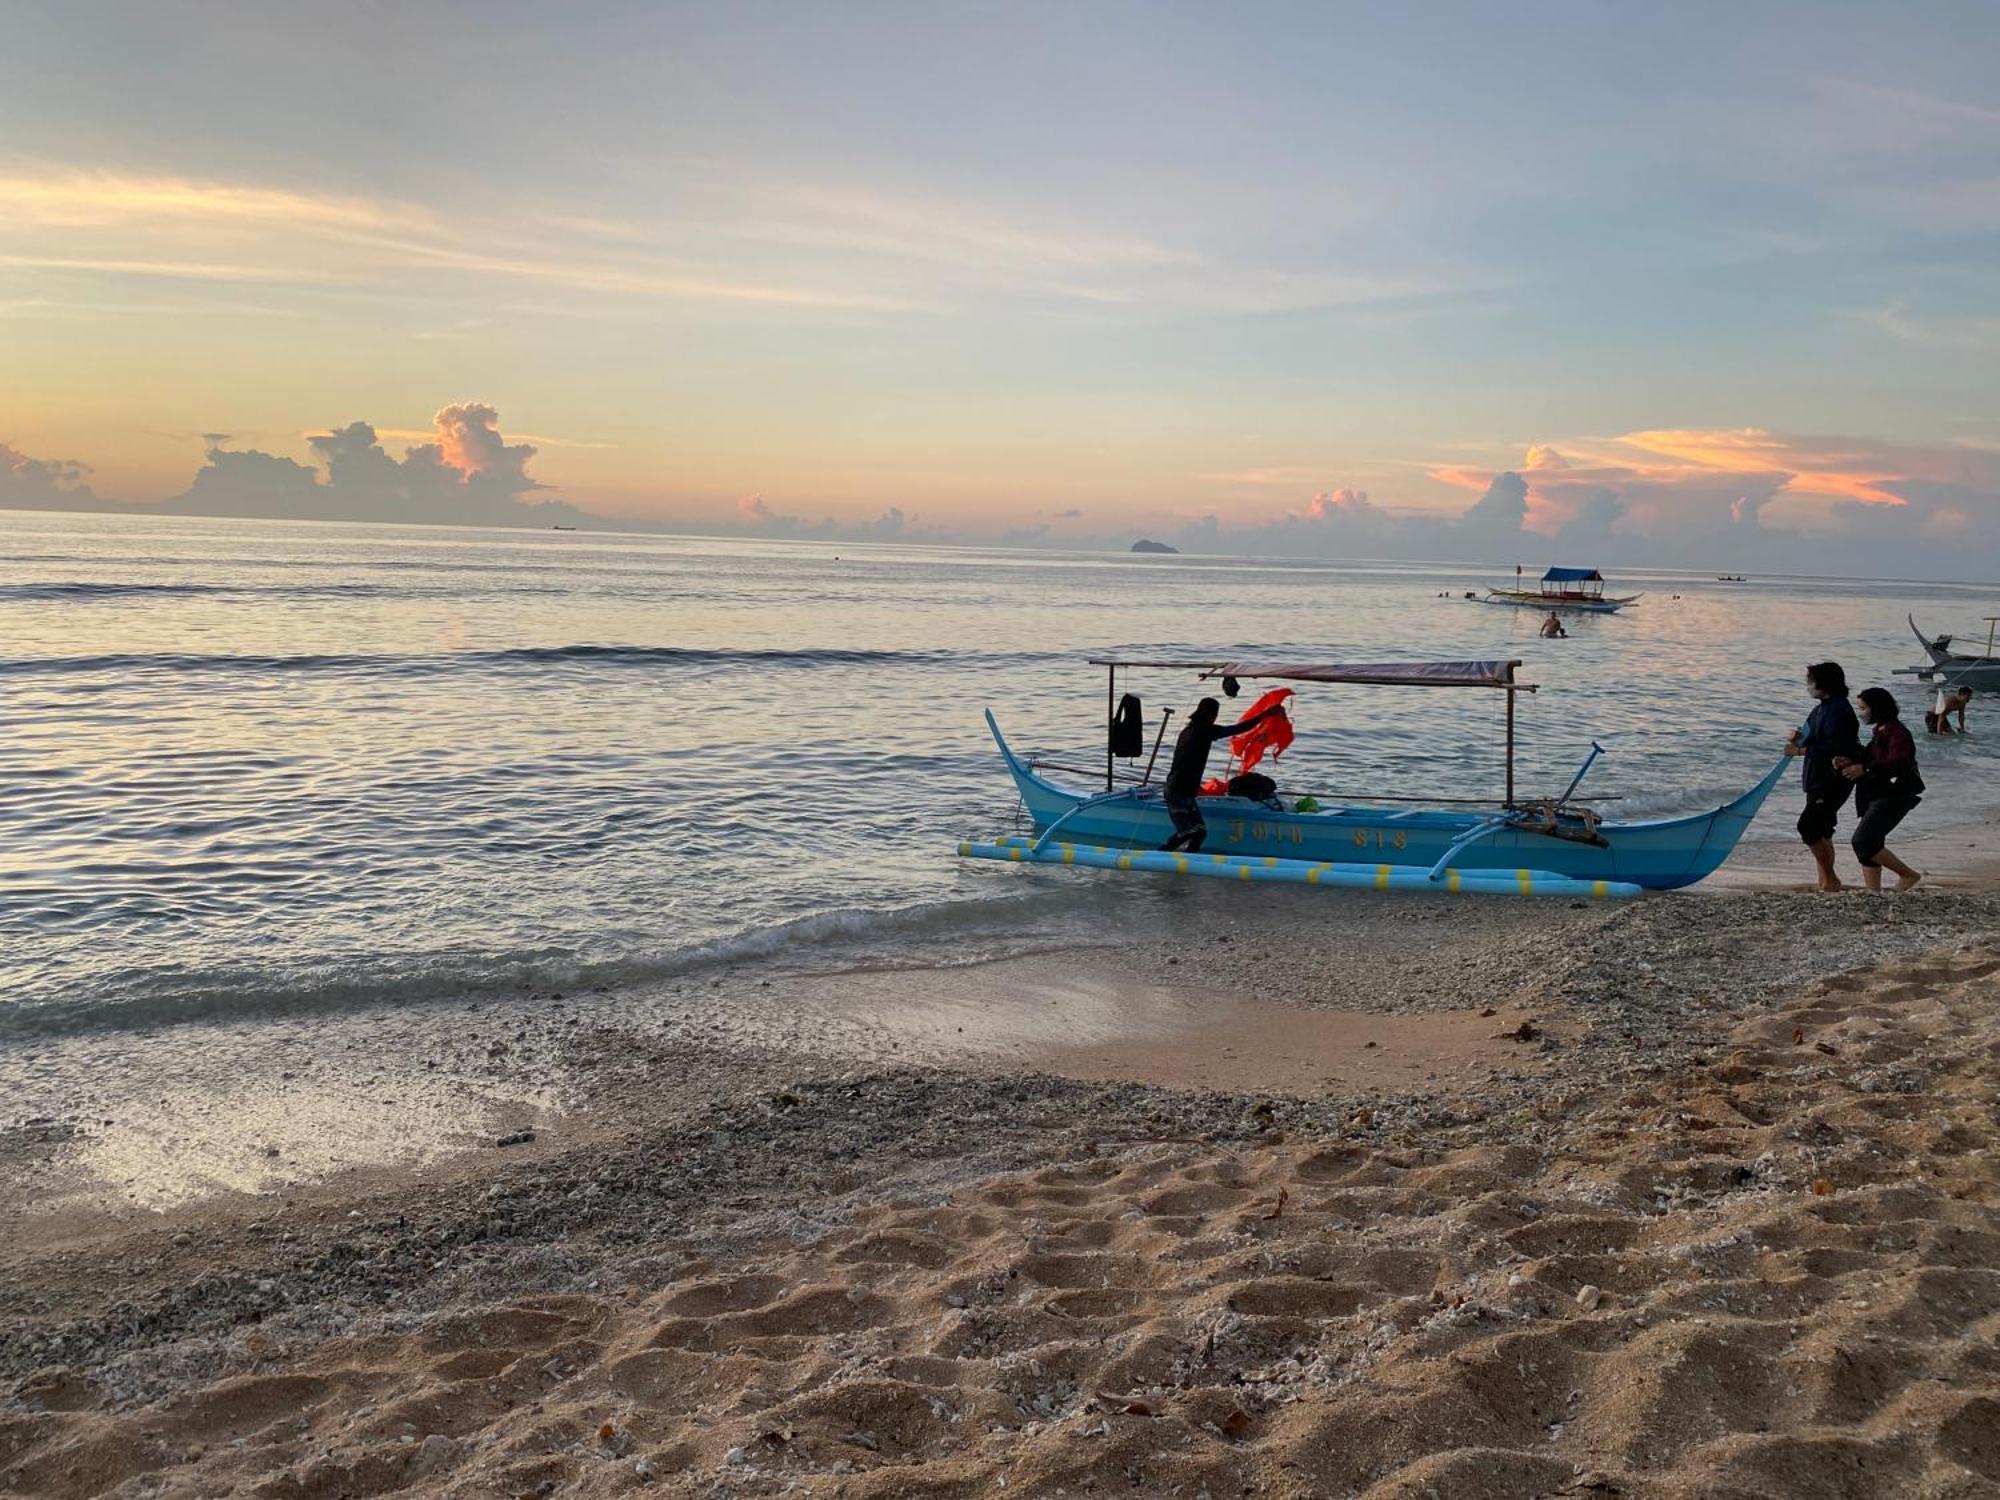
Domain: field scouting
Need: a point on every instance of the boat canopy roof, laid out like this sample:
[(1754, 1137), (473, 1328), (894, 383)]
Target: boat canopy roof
[(1572, 575), (1489, 674)]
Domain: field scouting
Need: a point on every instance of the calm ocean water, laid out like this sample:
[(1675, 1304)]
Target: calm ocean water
[(257, 766)]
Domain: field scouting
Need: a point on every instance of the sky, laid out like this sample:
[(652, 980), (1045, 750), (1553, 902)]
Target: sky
[(1703, 283)]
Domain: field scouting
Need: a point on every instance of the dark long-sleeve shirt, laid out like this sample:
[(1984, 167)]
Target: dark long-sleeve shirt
[(1890, 759), (1191, 748), (1831, 729)]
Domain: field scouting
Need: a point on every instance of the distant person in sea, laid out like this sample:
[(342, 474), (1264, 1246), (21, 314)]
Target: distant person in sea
[(1190, 764), (1552, 627), (1830, 731), (1886, 787), (1949, 701)]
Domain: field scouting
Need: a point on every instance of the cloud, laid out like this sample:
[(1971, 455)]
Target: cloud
[(1972, 331), (43, 483), (469, 441), (179, 270), (1698, 497), (1748, 498), (1840, 468), (652, 280), (93, 200), (130, 225), (925, 227), (468, 474), (1330, 505), (1501, 510), (756, 516), (731, 238), (1755, 497), (1673, 481)]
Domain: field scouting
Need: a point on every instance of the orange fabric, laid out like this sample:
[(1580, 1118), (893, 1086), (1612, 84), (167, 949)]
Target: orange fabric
[(1270, 737), (1215, 786)]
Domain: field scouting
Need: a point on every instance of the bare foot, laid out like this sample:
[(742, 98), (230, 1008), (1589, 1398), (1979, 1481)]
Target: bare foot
[(1831, 885), (1904, 882)]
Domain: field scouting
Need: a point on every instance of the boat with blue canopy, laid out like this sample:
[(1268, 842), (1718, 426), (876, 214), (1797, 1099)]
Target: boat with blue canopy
[(1564, 589), (1557, 845)]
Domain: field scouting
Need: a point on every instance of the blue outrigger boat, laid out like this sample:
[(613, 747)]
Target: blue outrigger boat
[(1548, 846)]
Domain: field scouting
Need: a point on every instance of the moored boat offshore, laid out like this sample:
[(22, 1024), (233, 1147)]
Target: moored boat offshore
[(1564, 589)]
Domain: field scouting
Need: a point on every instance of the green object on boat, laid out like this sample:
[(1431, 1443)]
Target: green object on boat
[(1306, 804)]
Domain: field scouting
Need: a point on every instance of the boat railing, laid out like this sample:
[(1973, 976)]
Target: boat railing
[(1133, 778)]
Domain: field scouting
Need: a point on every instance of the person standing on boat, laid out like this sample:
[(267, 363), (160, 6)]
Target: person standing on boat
[(1830, 731), (1190, 764), (1886, 787)]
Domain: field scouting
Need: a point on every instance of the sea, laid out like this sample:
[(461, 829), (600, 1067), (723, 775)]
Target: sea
[(250, 768)]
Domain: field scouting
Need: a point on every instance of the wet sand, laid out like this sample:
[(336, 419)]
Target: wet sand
[(126, 1124)]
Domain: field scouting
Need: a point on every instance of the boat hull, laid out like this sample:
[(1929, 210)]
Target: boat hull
[(1953, 669), (1527, 600), (1664, 854)]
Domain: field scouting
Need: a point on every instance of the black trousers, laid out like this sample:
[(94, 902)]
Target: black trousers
[(1823, 812), (1189, 829), (1879, 818)]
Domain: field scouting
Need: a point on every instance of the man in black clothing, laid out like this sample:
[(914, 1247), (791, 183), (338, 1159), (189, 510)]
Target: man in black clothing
[(1190, 763)]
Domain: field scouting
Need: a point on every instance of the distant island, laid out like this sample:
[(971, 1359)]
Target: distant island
[(1143, 545)]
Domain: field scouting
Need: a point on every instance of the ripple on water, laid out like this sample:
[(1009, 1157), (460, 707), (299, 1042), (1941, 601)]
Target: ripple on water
[(269, 766)]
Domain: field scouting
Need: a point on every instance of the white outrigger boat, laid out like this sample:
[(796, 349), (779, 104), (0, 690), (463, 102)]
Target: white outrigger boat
[(1564, 589), (1957, 669), (1547, 846)]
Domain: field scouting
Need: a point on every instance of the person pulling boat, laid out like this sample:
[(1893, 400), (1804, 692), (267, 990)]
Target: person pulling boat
[(1190, 765)]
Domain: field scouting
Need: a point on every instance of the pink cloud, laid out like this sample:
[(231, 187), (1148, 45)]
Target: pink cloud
[(1330, 505), (468, 440), (1842, 469), (1666, 478)]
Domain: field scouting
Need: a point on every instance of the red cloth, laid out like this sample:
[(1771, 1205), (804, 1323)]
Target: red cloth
[(1268, 738)]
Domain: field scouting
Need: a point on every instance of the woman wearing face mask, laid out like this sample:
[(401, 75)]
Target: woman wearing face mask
[(1829, 731), (1886, 787)]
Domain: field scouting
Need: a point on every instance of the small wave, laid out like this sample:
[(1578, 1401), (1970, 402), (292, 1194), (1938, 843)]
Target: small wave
[(928, 934), (11, 592), (78, 593), (595, 655)]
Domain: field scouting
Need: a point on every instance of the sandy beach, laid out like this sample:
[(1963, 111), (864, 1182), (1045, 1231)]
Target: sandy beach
[(1701, 1200), (950, 752)]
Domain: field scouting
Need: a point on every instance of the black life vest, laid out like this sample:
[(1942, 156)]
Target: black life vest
[(1128, 728)]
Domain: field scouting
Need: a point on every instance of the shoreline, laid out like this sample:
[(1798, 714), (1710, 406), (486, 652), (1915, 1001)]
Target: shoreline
[(794, 1119), (115, 1124)]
